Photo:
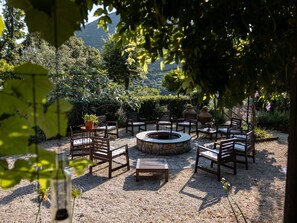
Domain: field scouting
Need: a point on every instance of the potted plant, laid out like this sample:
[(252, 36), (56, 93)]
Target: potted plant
[(89, 120)]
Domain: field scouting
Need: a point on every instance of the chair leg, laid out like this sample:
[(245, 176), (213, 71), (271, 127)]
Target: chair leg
[(128, 162), (219, 172), (235, 167), (211, 164), (197, 160), (109, 168), (246, 161), (132, 130)]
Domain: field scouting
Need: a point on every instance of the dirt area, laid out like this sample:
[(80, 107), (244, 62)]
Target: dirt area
[(186, 197)]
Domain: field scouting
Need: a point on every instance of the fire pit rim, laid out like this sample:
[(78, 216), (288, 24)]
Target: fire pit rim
[(143, 136)]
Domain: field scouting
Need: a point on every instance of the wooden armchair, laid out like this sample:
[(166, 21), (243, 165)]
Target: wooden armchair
[(80, 143), (133, 120), (102, 152), (108, 127), (189, 121), (164, 119), (226, 130), (219, 153), (245, 146)]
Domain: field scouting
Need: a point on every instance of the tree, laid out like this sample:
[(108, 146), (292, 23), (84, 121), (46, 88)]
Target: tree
[(173, 81), (121, 65), (13, 33)]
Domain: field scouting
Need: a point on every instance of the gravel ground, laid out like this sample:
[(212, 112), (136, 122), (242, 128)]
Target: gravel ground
[(187, 197)]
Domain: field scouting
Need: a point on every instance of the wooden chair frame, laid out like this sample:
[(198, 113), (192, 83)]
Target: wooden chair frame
[(133, 120), (109, 127), (189, 121), (164, 119), (245, 146), (221, 154), (80, 143), (234, 127), (102, 152)]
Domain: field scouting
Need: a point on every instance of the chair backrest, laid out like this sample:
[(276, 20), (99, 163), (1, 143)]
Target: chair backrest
[(101, 120), (165, 116), (101, 146), (236, 123), (226, 148), (249, 141), (133, 116)]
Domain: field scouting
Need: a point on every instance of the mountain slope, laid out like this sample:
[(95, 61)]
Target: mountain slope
[(95, 37)]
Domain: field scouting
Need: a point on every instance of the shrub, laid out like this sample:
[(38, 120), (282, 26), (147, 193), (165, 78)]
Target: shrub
[(277, 120), (150, 105), (218, 116)]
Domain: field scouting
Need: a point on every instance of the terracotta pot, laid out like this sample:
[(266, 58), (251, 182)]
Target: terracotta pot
[(204, 117), (89, 124), (189, 110)]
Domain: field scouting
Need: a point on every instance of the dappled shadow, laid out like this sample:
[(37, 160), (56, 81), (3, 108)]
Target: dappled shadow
[(21, 191), (151, 182), (261, 175), (208, 185), (88, 181)]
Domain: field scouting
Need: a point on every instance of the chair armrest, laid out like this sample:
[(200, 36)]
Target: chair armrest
[(126, 147), (222, 126), (208, 149), (112, 122)]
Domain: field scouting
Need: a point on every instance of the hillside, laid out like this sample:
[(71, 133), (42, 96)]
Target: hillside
[(94, 36)]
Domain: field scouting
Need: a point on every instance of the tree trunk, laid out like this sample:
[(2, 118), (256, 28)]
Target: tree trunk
[(290, 211)]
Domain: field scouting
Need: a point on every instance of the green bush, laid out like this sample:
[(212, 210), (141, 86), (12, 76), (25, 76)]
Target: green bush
[(218, 116), (150, 105), (277, 120)]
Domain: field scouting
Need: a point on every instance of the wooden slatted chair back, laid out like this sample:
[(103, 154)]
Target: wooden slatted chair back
[(226, 148)]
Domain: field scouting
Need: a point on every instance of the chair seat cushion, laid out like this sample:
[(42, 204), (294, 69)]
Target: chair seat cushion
[(109, 128), (117, 151), (222, 130), (239, 147), (136, 123), (83, 141), (186, 123), (210, 155), (234, 131), (164, 122), (239, 137)]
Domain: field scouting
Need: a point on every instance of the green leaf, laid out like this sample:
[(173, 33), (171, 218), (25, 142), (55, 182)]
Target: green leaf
[(11, 104), (10, 179), (50, 128), (99, 12), (1, 25), (56, 21), (14, 134), (80, 165)]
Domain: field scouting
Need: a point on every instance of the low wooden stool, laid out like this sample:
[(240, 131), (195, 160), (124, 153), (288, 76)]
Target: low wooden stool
[(152, 165)]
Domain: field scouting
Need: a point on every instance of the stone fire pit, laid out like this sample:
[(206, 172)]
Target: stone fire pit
[(163, 142)]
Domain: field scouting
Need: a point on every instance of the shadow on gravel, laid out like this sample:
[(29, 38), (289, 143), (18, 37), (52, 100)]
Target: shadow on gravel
[(29, 189)]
